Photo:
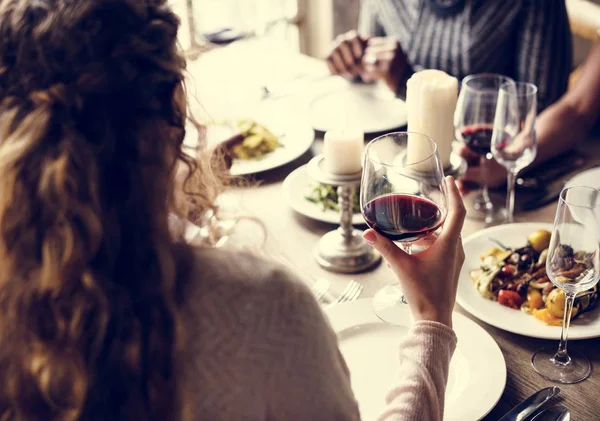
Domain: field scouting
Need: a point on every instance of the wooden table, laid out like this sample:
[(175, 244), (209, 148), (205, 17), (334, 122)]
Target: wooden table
[(246, 65)]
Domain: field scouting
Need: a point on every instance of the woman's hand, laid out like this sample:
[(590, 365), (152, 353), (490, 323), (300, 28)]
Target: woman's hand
[(429, 279)]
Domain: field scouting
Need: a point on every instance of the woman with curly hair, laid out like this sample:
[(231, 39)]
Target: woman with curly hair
[(105, 312)]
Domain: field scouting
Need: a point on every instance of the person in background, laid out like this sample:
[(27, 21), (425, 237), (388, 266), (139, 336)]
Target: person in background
[(527, 40), (105, 312), (560, 127)]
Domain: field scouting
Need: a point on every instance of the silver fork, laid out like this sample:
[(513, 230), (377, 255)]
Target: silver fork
[(320, 287), (351, 293)]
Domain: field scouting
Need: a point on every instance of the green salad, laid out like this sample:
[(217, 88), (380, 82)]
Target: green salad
[(327, 198)]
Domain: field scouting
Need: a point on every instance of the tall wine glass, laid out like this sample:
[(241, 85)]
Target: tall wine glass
[(573, 266), (473, 124), (514, 143), (403, 197)]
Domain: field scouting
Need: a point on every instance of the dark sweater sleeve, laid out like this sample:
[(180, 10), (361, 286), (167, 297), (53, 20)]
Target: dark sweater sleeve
[(544, 55)]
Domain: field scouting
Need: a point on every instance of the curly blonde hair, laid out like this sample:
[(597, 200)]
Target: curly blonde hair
[(91, 129)]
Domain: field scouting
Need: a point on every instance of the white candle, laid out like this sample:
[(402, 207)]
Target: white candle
[(343, 151), (431, 99)]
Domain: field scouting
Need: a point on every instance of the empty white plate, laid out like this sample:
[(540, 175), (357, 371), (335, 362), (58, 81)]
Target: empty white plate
[(370, 347), (370, 108)]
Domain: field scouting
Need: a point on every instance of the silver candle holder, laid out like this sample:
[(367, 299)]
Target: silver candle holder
[(342, 250)]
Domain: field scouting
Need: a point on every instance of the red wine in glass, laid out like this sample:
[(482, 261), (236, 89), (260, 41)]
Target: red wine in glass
[(478, 138), (403, 217)]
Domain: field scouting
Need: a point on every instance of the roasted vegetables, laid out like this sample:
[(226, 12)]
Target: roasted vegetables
[(539, 240), (517, 278), (510, 299)]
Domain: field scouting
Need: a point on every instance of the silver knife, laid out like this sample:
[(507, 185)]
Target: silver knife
[(558, 413), (549, 173), (529, 405)]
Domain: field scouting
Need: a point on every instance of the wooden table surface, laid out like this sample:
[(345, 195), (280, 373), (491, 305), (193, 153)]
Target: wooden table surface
[(227, 83)]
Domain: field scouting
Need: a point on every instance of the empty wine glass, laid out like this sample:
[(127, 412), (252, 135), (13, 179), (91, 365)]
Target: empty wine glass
[(514, 143), (473, 124), (230, 226), (573, 266), (403, 197)]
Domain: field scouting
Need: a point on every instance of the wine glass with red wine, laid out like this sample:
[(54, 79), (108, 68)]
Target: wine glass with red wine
[(474, 126), (403, 197)]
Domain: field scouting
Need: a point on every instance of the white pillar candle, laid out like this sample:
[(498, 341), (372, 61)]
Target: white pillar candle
[(343, 151), (431, 99)]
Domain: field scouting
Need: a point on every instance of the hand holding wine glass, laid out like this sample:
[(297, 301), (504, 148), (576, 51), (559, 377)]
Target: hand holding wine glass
[(429, 279), (514, 143), (572, 265), (402, 197)]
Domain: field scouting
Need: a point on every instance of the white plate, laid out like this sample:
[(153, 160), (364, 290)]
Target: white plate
[(513, 235), (370, 347), (370, 108), (589, 178), (297, 186), (295, 136)]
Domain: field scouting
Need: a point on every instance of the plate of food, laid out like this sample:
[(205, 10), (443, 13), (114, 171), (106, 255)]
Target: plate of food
[(370, 348), (256, 146), (504, 283), (315, 200)]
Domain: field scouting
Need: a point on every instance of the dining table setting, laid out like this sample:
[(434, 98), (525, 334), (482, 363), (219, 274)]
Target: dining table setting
[(318, 158)]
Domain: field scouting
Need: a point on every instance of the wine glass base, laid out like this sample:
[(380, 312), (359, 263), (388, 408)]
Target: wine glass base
[(486, 211), (500, 216), (389, 305), (577, 370)]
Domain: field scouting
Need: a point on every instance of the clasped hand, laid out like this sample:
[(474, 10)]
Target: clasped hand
[(371, 58)]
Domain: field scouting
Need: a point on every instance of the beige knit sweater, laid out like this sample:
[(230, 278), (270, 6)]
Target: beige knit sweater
[(260, 348)]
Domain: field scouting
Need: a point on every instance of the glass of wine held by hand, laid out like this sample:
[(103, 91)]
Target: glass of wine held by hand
[(474, 124), (403, 197), (573, 266)]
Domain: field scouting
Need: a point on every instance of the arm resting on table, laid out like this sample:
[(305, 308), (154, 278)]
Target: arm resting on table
[(567, 122)]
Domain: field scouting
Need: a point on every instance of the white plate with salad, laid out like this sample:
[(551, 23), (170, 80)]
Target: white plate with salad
[(314, 200)]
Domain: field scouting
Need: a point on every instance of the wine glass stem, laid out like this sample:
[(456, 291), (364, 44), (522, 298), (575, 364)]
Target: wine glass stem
[(561, 356), (484, 178), (510, 195), (191, 23)]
